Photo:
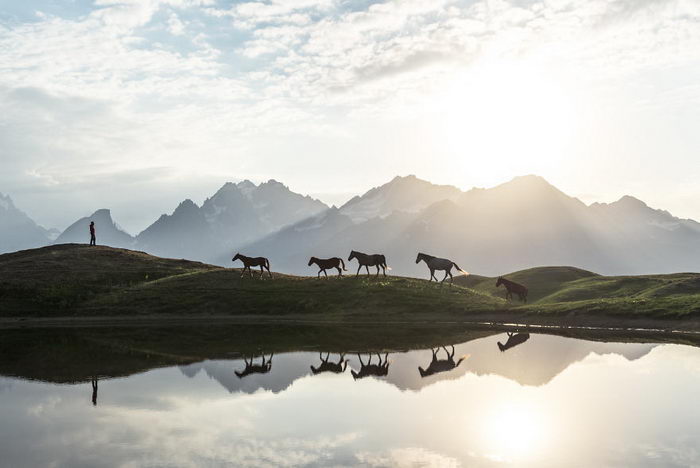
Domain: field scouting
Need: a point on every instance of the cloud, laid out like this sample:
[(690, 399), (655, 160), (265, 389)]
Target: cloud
[(203, 87)]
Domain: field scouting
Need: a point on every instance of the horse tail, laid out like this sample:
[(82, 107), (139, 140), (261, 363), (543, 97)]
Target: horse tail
[(457, 267), (384, 263), (342, 263)]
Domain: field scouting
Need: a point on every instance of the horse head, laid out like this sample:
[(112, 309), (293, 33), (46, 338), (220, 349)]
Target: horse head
[(420, 257), (352, 255), (236, 257), (499, 281), (312, 260)]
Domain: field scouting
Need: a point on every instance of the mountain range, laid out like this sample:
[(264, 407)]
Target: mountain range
[(519, 224), (18, 231)]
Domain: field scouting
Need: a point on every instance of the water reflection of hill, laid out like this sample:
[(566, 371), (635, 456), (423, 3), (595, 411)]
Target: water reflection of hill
[(533, 362)]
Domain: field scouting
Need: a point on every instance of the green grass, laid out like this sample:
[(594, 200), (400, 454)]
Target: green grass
[(571, 292), (81, 281)]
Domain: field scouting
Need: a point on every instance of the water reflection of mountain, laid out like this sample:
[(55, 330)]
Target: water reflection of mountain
[(534, 361)]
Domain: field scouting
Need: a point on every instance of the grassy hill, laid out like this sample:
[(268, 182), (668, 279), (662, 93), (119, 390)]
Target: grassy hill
[(81, 281), (570, 291)]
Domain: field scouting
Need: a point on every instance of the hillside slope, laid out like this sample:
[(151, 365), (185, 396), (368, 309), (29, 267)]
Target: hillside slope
[(92, 282)]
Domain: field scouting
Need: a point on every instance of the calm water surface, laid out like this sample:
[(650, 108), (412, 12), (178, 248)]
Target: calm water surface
[(545, 401)]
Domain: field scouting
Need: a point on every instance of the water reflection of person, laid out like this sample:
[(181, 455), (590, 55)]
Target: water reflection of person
[(94, 391)]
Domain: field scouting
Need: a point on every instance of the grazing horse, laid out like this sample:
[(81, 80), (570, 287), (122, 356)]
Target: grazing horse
[(248, 262), (251, 368), (441, 365), (335, 367), (511, 288), (379, 370), (435, 263), (326, 263), (514, 339), (365, 260)]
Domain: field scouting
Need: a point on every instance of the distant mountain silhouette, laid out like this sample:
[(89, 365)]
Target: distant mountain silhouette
[(522, 223), (108, 232), (18, 231), (519, 224), (403, 194), (235, 215)]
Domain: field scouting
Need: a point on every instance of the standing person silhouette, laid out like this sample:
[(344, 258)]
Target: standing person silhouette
[(92, 233)]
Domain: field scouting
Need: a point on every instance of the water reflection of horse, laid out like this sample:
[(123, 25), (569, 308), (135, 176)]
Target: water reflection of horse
[(380, 369), (514, 339), (366, 260), (441, 365), (251, 368), (513, 287), (335, 367)]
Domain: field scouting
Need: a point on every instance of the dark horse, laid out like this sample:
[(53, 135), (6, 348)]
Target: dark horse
[(326, 263), (514, 339), (441, 365), (511, 288), (248, 262), (335, 367), (379, 370), (435, 263), (250, 368), (365, 260)]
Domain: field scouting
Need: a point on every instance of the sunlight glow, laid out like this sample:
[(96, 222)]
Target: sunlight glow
[(512, 115), (514, 432)]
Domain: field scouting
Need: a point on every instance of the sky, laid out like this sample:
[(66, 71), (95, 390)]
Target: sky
[(135, 105)]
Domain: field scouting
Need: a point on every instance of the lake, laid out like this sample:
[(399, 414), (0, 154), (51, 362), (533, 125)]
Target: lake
[(519, 400)]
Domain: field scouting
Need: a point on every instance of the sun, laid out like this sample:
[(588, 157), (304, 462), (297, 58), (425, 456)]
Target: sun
[(506, 115), (514, 432)]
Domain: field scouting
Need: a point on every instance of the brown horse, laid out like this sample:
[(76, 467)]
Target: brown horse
[(441, 264), (248, 262), (511, 288), (326, 263), (514, 339), (365, 260), (335, 367)]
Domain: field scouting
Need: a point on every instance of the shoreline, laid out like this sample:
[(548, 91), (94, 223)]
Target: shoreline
[(493, 321)]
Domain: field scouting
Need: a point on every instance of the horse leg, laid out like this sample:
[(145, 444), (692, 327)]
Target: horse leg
[(451, 278), (367, 268), (443, 279), (261, 271), (340, 273), (243, 272), (325, 273), (358, 270), (377, 270), (319, 274), (268, 271), (432, 275)]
